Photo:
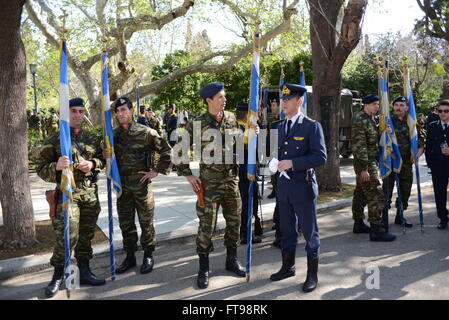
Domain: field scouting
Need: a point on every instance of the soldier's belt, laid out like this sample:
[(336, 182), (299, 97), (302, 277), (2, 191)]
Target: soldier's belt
[(218, 175)]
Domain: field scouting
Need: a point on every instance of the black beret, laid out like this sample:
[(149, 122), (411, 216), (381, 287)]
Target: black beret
[(76, 102), (122, 101), (210, 89), (370, 99), (400, 99), (242, 106), (290, 90)]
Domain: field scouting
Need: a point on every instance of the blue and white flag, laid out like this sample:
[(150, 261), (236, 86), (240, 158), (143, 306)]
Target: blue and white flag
[(302, 82), (411, 120), (112, 171), (67, 179), (388, 143), (281, 102)]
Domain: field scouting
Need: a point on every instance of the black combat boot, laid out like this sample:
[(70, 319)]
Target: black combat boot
[(203, 274), (312, 275), (288, 266), (55, 283), (378, 234), (397, 220), (272, 195), (129, 262), (86, 275), (360, 227), (258, 229), (147, 263), (232, 264)]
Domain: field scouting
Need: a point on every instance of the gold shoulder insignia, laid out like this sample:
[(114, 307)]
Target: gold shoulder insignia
[(298, 138)]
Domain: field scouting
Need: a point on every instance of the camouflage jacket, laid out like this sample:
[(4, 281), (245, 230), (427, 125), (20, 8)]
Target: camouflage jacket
[(365, 143), (156, 125), (85, 146), (402, 133), (52, 124), (132, 148), (214, 172)]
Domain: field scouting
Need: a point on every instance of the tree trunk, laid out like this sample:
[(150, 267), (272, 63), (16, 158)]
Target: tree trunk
[(328, 57), (15, 195), (445, 94)]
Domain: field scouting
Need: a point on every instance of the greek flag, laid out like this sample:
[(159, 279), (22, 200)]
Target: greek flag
[(67, 179), (281, 103), (302, 81), (253, 109), (411, 120), (388, 143), (112, 171)]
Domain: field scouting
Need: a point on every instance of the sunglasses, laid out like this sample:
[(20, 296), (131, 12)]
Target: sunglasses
[(445, 111)]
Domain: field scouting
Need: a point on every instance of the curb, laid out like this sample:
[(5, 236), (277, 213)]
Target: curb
[(17, 266)]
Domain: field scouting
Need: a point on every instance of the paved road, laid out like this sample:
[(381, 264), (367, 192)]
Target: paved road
[(415, 266)]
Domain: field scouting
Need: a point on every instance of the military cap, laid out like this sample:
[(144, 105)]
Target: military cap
[(370, 99), (290, 90), (148, 109), (171, 105), (400, 99), (242, 106), (210, 89), (122, 101), (76, 102)]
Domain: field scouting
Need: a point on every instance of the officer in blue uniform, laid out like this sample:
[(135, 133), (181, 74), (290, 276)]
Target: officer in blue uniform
[(301, 149), (437, 158)]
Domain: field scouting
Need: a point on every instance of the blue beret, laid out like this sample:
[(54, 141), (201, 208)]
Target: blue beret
[(122, 101), (290, 90), (210, 89), (370, 99), (76, 102), (400, 99), (242, 106)]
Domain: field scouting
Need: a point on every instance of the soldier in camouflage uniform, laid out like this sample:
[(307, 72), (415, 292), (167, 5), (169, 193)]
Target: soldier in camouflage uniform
[(365, 148), (219, 182), (87, 162), (52, 123), (133, 143), (153, 121), (402, 132)]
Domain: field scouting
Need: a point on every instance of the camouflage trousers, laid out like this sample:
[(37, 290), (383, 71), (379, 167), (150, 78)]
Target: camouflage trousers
[(225, 194), (405, 183), (136, 197), (368, 193), (85, 209)]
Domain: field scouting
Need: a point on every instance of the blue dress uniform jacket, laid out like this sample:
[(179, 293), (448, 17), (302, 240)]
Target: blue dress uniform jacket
[(439, 165), (297, 196)]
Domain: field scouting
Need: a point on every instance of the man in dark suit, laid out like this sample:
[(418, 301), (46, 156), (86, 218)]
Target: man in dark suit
[(301, 148), (437, 158)]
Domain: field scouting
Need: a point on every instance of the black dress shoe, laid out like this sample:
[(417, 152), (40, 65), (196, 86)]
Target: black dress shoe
[(288, 266), (147, 263), (55, 283), (272, 195), (232, 264), (442, 225), (397, 221), (128, 263), (360, 227), (86, 275)]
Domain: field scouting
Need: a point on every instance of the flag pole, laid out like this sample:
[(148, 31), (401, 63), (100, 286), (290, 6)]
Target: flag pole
[(252, 142), (107, 145), (67, 179), (412, 112)]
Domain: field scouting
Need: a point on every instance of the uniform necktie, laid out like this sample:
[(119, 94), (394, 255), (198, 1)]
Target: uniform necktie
[(289, 123), (445, 126)]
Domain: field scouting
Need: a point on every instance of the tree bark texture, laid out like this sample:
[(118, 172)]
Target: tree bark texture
[(15, 195), (330, 49)]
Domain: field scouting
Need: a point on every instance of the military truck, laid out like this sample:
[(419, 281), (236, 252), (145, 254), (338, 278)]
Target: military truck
[(350, 103)]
